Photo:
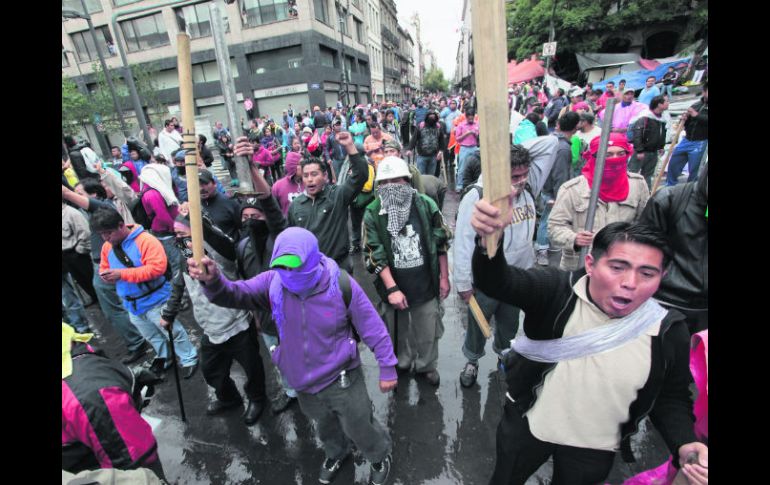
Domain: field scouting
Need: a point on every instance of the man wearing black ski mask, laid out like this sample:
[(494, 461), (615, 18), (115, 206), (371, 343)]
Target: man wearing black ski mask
[(428, 139)]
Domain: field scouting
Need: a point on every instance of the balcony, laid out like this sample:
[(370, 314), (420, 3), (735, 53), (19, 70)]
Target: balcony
[(393, 73), (389, 36)]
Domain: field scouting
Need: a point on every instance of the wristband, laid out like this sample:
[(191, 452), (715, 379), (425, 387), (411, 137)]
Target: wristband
[(392, 290)]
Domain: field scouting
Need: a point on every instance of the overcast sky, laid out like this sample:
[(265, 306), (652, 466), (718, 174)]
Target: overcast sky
[(439, 28)]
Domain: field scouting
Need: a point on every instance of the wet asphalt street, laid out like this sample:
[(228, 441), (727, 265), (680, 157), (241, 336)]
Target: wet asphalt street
[(443, 435)]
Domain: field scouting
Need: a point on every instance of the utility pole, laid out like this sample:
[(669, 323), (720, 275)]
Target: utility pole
[(343, 18), (550, 38), (228, 91)]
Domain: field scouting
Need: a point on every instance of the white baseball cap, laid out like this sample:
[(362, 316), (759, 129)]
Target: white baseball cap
[(392, 168)]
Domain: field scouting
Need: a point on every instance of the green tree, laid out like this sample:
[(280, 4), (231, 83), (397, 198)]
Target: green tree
[(75, 107), (434, 81), (585, 25)]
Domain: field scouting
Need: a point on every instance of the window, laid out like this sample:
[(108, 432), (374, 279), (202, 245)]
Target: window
[(84, 44), (92, 5), (329, 57), (207, 72), (197, 19), (276, 59), (321, 12), (258, 12), (359, 30), (64, 61), (144, 33)]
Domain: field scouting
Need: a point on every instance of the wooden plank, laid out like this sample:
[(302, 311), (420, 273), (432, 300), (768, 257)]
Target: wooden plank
[(189, 143), (490, 71)]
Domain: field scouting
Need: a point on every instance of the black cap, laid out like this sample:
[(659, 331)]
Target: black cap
[(205, 176)]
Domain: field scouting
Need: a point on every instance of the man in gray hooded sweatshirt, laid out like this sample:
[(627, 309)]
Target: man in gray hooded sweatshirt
[(530, 165)]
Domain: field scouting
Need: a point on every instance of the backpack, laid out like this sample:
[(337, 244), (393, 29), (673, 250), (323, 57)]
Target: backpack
[(347, 295), (429, 140), (139, 213), (633, 126)]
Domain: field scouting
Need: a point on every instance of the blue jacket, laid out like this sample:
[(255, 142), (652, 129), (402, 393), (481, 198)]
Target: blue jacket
[(136, 285)]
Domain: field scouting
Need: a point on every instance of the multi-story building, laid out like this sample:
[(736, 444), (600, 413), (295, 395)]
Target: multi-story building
[(282, 51), (464, 70), (411, 26), (390, 46), (405, 63), (374, 48)]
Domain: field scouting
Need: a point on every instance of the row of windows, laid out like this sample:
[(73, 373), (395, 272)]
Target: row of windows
[(149, 32)]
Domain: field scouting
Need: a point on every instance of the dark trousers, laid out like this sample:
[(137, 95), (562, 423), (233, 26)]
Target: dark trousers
[(519, 455), (356, 221), (218, 358), (81, 268), (646, 166)]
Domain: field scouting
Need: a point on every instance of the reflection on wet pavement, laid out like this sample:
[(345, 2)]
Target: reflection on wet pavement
[(441, 436)]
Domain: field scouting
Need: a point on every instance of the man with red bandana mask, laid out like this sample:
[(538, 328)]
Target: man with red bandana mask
[(622, 197)]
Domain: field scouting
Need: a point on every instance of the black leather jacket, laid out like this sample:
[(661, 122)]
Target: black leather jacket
[(679, 212)]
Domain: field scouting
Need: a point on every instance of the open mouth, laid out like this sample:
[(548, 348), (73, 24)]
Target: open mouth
[(620, 302)]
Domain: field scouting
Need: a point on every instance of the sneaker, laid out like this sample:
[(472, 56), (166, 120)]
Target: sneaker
[(468, 375), (329, 469), (380, 471), (542, 257)]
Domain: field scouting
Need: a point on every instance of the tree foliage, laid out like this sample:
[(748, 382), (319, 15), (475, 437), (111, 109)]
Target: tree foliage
[(434, 81), (584, 25), (78, 108)]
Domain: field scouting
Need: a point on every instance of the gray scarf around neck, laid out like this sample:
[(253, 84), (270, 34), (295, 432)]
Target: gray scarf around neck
[(396, 201), (595, 341)]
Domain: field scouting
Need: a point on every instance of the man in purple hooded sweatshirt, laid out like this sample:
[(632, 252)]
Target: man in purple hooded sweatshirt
[(289, 187), (317, 352)]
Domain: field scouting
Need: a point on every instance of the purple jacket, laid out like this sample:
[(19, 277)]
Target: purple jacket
[(316, 340)]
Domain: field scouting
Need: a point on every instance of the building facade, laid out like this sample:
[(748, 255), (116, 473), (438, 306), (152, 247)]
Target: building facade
[(463, 79), (283, 52), (390, 47), (374, 49)]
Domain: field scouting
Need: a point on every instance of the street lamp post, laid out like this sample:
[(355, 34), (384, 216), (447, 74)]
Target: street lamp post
[(343, 18), (103, 145), (67, 13)]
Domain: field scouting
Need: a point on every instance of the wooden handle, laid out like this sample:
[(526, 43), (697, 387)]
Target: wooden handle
[(489, 47), (189, 143), (674, 143), (478, 315)]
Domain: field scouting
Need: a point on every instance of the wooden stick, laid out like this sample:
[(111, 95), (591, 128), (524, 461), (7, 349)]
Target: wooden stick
[(674, 143), (189, 143), (478, 315), (489, 47)]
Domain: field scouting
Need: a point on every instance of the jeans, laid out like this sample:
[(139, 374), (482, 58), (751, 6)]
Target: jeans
[(542, 230), (520, 454), (345, 415), (113, 309), (426, 165), (462, 157), (689, 152), (217, 359), (668, 89), (337, 166), (506, 326), (149, 325), (356, 221), (72, 306), (646, 166), (271, 340)]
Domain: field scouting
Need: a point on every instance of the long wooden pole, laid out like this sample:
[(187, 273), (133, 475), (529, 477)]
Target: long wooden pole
[(478, 315), (674, 143), (489, 48), (184, 64)]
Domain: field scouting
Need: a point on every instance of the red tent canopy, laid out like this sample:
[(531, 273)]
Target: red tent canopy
[(525, 70)]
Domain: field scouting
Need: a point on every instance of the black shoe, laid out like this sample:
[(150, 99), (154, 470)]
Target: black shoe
[(282, 403), (432, 377), (380, 471), (135, 355), (330, 468), (189, 371), (158, 366), (253, 412), (217, 406)]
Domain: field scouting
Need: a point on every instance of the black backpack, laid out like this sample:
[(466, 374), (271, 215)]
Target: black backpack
[(429, 140), (139, 213)]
